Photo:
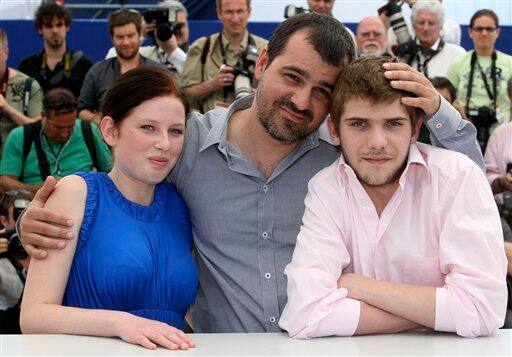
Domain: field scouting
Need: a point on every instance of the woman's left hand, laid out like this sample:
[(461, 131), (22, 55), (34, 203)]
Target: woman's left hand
[(150, 334)]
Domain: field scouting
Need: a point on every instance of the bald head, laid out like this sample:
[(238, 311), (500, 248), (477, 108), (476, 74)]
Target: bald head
[(371, 36)]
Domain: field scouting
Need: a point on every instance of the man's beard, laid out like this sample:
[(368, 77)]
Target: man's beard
[(55, 42), (130, 56), (376, 50), (370, 180), (278, 127)]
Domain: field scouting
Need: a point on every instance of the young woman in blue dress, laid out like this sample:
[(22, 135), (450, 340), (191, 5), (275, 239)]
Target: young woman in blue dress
[(129, 271)]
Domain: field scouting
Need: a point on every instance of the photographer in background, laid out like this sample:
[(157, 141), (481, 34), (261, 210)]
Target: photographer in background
[(21, 97), (451, 31), (498, 161), (57, 145), (56, 65), (124, 27), (498, 167), (371, 37), (171, 43), (480, 76), (433, 55), (220, 66), (13, 261)]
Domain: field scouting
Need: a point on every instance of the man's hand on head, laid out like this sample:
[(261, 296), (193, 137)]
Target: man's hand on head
[(42, 229), (404, 77)]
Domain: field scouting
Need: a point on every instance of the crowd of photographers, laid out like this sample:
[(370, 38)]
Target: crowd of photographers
[(49, 105)]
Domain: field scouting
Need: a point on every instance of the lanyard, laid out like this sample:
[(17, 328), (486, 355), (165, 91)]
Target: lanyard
[(67, 65), (4, 82), (429, 54), (49, 144), (492, 95)]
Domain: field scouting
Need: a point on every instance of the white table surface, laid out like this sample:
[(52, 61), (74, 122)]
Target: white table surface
[(411, 343)]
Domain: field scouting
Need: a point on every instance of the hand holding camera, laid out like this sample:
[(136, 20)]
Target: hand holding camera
[(224, 77)]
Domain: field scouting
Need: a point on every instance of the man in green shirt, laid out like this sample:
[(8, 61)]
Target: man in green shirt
[(58, 145), (20, 96)]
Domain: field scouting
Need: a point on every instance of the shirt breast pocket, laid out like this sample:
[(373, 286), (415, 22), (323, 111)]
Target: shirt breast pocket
[(421, 270)]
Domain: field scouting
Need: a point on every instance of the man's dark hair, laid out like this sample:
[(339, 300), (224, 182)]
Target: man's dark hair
[(137, 86), (484, 12), (327, 35), (50, 10), (124, 17), (60, 101), (218, 4), (444, 83)]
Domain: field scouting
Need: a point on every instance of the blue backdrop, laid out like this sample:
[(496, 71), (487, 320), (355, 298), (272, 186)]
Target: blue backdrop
[(91, 36)]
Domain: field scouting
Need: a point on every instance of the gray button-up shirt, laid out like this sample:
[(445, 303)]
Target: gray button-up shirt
[(245, 225)]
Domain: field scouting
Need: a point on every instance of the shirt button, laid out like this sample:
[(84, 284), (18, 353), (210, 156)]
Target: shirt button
[(268, 275), (265, 188), (438, 125), (264, 235), (272, 320)]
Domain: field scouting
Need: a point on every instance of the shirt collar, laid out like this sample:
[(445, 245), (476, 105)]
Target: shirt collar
[(434, 47), (218, 133), (243, 45)]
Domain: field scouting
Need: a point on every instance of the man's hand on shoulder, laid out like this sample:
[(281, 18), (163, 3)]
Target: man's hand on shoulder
[(42, 229)]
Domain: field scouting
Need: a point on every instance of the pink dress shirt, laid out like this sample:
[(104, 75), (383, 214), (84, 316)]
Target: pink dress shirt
[(498, 153), (441, 228)]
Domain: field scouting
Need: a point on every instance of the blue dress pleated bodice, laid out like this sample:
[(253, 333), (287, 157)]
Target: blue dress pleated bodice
[(133, 258)]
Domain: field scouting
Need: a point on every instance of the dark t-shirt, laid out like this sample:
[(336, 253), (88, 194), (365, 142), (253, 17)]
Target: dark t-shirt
[(59, 77), (99, 78)]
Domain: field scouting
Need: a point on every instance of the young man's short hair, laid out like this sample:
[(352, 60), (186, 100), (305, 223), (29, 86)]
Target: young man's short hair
[(124, 17), (364, 79), (50, 10)]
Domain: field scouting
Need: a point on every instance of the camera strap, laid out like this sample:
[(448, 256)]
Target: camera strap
[(250, 41), (428, 53), (492, 95)]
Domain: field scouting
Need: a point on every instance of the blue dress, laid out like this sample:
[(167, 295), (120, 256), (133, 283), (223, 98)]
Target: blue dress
[(133, 258)]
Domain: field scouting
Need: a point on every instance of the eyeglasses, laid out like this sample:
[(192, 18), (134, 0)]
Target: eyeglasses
[(481, 29)]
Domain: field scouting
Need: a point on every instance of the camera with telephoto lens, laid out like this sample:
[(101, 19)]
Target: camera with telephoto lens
[(292, 10), (406, 45), (242, 72), (482, 118), (166, 24), (18, 200)]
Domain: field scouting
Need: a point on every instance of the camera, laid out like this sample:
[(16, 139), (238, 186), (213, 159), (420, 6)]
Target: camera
[(406, 45), (292, 10), (165, 19), (482, 118), (18, 201), (242, 73)]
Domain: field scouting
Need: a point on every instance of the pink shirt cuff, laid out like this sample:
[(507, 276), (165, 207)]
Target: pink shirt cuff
[(342, 321), (444, 319)]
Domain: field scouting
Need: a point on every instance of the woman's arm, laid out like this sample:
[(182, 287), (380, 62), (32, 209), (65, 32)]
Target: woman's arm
[(41, 309)]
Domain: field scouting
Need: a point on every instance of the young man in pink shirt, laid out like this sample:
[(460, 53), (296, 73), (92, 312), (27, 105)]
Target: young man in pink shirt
[(396, 234)]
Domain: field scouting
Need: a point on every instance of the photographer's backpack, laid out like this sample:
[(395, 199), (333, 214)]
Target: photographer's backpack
[(31, 135)]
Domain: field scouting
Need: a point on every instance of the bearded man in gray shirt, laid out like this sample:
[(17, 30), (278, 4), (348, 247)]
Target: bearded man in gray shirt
[(244, 172)]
